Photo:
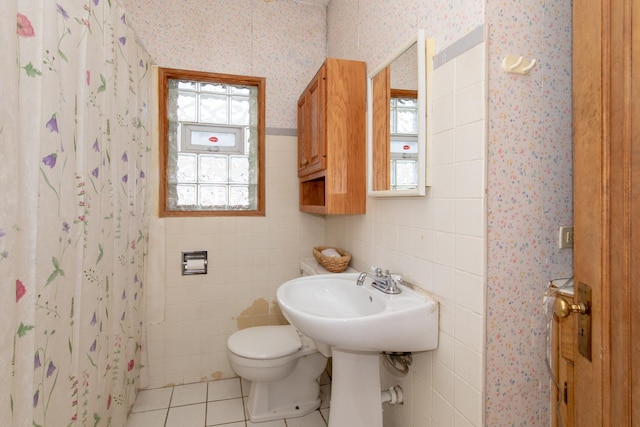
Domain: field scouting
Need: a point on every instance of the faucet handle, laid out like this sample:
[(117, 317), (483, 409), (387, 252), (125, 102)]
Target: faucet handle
[(377, 271)]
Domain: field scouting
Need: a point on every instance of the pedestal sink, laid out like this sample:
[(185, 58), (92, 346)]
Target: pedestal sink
[(358, 322)]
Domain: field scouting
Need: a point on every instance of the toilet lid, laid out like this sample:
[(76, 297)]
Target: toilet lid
[(265, 342)]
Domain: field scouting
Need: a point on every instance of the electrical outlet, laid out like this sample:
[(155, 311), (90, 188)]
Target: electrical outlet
[(565, 237)]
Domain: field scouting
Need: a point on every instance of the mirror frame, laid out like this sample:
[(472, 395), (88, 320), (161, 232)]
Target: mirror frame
[(422, 46)]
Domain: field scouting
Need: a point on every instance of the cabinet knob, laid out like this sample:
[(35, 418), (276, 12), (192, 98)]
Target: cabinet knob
[(304, 163)]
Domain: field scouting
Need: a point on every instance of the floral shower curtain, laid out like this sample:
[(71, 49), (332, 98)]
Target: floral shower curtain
[(73, 223)]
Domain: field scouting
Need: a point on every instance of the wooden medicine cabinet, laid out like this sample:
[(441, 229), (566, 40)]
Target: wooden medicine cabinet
[(332, 139)]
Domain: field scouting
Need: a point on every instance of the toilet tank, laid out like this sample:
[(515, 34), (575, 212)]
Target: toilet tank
[(311, 267)]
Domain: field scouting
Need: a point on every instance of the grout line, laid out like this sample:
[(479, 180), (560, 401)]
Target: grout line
[(166, 417), (206, 404), (244, 408)]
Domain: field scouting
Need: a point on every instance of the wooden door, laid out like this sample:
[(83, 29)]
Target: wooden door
[(563, 354), (606, 78)]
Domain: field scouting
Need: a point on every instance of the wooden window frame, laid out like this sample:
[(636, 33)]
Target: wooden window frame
[(164, 75)]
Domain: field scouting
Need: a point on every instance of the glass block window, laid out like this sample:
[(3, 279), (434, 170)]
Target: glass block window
[(404, 116), (213, 142), (404, 143)]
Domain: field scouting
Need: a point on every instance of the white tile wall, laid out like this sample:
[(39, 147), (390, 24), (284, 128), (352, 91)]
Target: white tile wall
[(439, 243), (248, 259)]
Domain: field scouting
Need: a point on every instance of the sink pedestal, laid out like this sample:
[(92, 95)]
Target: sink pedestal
[(355, 389)]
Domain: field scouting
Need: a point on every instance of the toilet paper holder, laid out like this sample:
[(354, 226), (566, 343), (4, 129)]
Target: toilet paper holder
[(194, 262)]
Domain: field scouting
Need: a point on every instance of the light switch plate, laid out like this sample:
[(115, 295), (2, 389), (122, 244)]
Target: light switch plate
[(565, 237)]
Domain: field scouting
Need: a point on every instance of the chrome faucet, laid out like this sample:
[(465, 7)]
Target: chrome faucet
[(384, 282), (364, 274)]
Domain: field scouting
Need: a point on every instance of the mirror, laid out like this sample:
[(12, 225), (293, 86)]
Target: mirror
[(397, 121)]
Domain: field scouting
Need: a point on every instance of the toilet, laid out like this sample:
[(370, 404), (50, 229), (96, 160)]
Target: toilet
[(282, 364)]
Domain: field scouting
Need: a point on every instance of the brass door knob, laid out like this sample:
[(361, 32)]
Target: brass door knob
[(562, 308)]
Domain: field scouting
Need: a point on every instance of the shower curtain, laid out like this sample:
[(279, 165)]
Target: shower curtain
[(73, 225)]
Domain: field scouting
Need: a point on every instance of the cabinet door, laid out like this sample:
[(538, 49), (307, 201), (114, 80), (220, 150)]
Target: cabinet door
[(311, 126), (304, 134), (317, 98)]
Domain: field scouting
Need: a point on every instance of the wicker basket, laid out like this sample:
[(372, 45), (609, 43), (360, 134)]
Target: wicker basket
[(332, 263)]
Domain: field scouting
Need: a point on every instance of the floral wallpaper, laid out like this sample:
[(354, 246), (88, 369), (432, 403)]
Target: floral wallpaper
[(283, 41), (529, 195), (73, 219)]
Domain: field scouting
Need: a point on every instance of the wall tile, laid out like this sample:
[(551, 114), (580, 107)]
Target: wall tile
[(461, 421), (470, 254), (468, 365), (423, 244), (443, 114), (443, 181), (443, 381), (423, 274), (471, 67), (443, 216), (406, 239), (445, 351), (470, 141), (470, 104), (443, 146), (469, 179), (447, 319), (468, 329), (444, 248), (443, 86), (442, 413), (443, 281), (423, 210), (469, 217), (468, 402), (470, 290), (421, 417), (422, 363), (422, 393)]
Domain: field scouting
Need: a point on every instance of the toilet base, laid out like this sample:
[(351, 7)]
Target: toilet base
[(294, 396), (286, 411)]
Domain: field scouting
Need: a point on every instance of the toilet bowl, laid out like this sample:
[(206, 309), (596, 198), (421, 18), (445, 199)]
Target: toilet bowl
[(283, 366)]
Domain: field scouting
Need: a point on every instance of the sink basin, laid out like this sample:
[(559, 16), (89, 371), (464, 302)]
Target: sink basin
[(358, 322), (332, 309)]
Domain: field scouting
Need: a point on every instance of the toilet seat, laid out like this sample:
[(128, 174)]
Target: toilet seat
[(265, 342)]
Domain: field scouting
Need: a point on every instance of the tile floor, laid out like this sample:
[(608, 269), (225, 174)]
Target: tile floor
[(213, 403)]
